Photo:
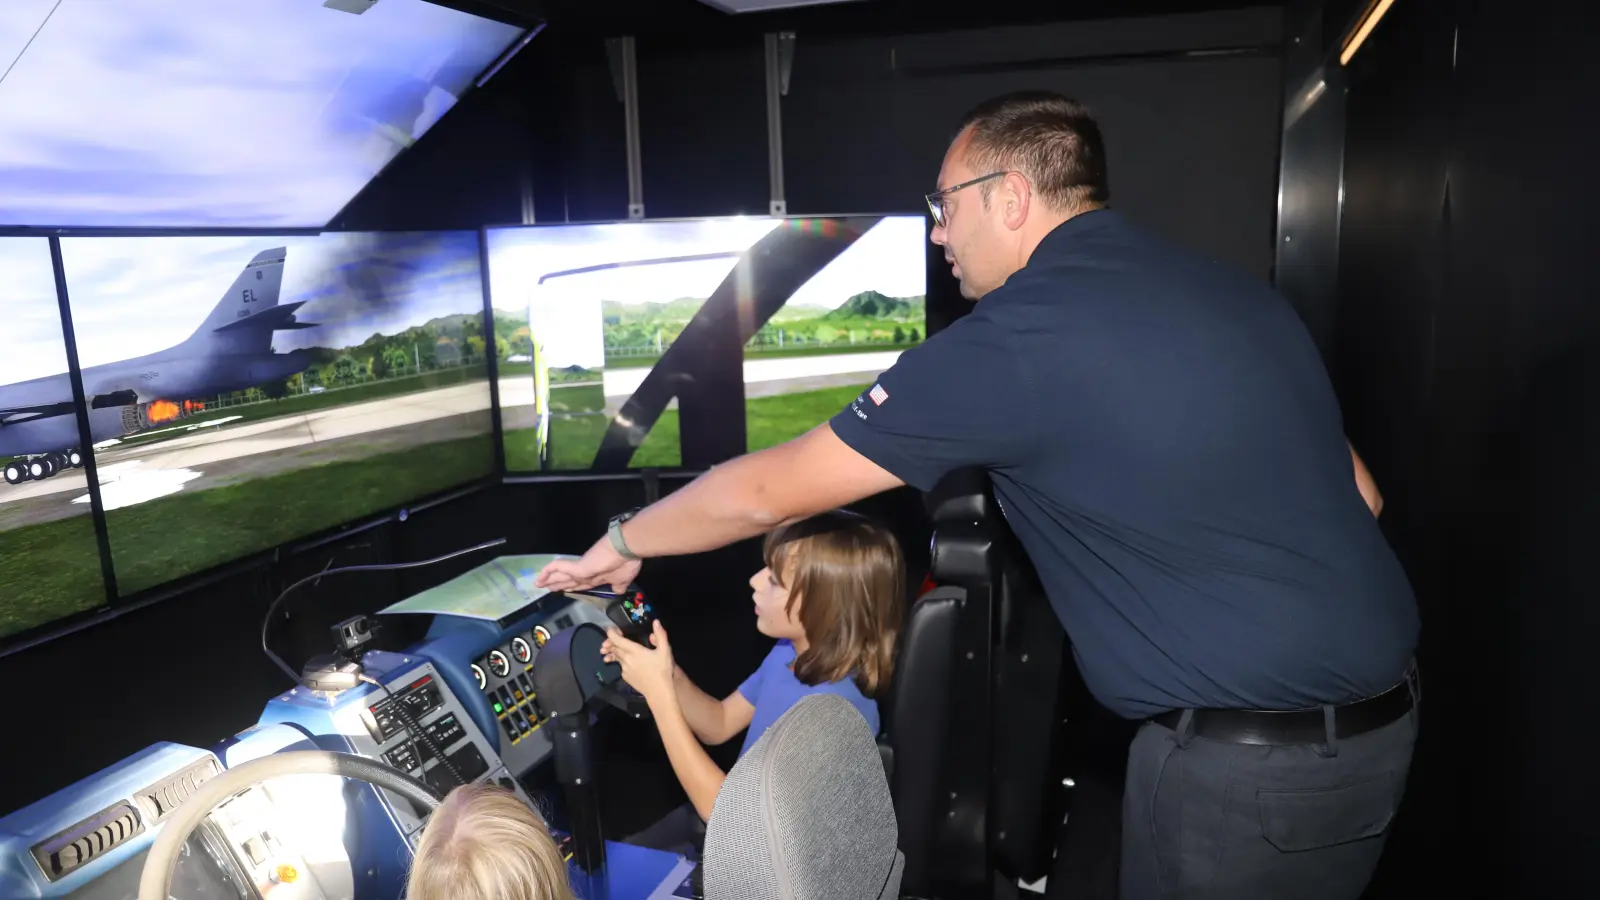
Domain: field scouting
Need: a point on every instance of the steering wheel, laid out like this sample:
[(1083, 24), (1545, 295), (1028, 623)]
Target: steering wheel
[(156, 879)]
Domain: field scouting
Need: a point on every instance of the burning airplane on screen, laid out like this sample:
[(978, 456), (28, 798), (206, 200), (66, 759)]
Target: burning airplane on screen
[(230, 351)]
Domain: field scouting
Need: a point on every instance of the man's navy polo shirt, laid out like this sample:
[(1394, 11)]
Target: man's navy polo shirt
[(1165, 443)]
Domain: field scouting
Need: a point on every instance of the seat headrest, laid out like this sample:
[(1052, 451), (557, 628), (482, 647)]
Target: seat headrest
[(806, 813), (960, 496)]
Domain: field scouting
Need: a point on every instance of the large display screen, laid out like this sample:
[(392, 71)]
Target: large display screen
[(248, 391), (49, 558), (219, 113), (685, 343)]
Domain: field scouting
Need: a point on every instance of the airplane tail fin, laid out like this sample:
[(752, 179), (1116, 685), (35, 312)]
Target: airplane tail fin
[(249, 313)]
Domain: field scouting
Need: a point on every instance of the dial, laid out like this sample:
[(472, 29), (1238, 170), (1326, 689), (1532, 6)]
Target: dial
[(499, 663), (541, 635), (522, 650), (483, 680)]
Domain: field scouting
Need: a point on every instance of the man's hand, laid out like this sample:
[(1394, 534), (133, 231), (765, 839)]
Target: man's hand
[(650, 672), (601, 565)]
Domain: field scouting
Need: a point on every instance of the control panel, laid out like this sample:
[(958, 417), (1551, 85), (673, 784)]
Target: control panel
[(414, 724), (417, 735), (89, 841), (285, 851), (505, 675)]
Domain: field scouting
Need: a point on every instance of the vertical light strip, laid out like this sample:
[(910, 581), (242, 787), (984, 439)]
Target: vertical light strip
[(1368, 22)]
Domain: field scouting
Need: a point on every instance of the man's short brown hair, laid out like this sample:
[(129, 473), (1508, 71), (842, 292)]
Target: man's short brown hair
[(1051, 140), (849, 575)]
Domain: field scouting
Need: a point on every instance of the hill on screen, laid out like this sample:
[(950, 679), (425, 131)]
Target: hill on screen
[(867, 313), (446, 340)]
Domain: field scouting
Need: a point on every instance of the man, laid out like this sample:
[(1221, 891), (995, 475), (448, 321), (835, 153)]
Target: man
[(1165, 443)]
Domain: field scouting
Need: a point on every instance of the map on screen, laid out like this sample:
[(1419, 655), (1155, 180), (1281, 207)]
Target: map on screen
[(493, 591)]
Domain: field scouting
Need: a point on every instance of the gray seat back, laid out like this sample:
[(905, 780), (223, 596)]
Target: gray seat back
[(806, 813)]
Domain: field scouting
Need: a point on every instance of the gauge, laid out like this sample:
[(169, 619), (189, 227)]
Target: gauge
[(499, 663), (521, 649), (541, 635), (483, 680)]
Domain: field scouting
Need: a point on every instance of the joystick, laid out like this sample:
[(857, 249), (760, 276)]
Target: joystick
[(630, 612), (634, 617)]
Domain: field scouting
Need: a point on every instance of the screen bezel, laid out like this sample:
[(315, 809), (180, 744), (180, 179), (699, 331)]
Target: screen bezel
[(121, 604), (118, 603)]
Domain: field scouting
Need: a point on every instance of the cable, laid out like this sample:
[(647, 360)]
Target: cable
[(385, 567), (410, 724)]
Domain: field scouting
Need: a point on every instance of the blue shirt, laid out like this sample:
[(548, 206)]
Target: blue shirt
[(772, 689), (1166, 444)]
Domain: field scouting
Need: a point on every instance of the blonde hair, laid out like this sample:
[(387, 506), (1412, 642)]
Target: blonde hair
[(849, 574), (482, 843)]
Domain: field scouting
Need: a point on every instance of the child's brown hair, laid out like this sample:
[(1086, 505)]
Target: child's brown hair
[(849, 574)]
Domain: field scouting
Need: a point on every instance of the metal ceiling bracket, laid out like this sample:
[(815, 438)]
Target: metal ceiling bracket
[(621, 53), (779, 64)]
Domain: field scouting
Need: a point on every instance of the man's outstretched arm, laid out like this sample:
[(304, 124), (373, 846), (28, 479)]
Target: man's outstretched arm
[(932, 412), (753, 494), (740, 499)]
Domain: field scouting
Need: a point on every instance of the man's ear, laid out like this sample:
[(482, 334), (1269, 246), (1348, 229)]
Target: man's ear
[(1016, 196)]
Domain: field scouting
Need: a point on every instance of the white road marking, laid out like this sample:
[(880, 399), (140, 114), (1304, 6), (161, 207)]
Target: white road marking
[(623, 382)]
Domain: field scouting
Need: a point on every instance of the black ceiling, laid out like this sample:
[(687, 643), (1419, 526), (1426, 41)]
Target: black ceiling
[(697, 22)]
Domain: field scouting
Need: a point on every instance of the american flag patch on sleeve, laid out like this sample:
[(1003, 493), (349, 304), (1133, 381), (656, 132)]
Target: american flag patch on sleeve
[(878, 394)]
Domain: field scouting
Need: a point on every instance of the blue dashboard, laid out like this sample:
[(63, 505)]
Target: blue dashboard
[(457, 707)]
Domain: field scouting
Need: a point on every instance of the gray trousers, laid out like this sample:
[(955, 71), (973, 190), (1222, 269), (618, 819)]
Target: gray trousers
[(1205, 819)]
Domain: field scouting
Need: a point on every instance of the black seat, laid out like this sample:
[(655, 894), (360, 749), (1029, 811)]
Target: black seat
[(975, 724), (915, 747)]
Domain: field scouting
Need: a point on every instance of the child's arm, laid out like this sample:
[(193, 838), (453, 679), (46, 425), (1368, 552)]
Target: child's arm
[(713, 721), (700, 777), (650, 671)]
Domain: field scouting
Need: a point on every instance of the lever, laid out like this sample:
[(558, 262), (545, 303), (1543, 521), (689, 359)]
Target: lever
[(630, 702), (629, 611)]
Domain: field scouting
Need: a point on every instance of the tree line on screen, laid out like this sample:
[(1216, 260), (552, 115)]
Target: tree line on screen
[(869, 317), (441, 343), (445, 342)]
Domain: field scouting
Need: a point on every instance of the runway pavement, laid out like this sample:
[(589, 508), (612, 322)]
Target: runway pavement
[(213, 455), (770, 377), (224, 451)]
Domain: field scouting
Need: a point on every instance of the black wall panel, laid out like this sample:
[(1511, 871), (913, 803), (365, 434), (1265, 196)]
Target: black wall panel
[(1193, 138), (1464, 346), (1524, 352)]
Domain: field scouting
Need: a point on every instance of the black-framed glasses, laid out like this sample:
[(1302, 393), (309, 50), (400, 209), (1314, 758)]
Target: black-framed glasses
[(936, 199)]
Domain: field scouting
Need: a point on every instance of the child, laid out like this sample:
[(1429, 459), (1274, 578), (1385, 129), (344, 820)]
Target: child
[(482, 843), (832, 593)]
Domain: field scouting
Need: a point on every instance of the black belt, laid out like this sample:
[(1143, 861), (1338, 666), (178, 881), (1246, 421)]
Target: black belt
[(1297, 726)]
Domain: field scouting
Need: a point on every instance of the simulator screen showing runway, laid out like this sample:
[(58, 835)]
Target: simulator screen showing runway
[(248, 391), (37, 422), (638, 344)]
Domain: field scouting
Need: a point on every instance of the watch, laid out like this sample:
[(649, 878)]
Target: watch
[(614, 531)]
